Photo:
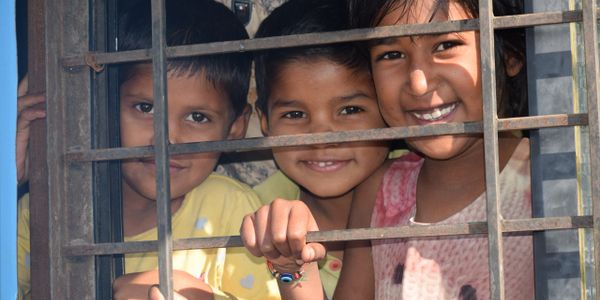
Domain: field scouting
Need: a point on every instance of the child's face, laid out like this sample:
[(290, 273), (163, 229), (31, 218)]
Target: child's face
[(197, 112), (321, 96), (429, 79)]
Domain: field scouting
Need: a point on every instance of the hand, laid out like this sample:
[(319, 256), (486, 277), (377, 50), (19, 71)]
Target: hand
[(155, 294), (138, 286), (278, 232), (26, 114)]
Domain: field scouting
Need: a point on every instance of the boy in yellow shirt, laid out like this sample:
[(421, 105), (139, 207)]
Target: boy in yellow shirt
[(207, 102)]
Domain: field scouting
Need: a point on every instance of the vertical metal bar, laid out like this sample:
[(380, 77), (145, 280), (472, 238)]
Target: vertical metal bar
[(70, 194), (105, 128), (161, 135), (490, 134), (590, 37), (38, 169)]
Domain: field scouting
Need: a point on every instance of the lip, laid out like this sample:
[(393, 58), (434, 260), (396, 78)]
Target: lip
[(437, 114), (325, 165), (174, 166)]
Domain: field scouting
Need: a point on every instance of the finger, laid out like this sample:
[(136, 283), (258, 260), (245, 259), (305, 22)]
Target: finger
[(27, 101), (263, 233), (27, 116), (297, 228), (279, 223), (248, 235), (23, 86), (154, 293)]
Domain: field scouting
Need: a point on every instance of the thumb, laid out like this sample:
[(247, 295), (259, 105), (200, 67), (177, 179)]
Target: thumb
[(313, 252)]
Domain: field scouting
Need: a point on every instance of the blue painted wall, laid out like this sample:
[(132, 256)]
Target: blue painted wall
[(8, 181)]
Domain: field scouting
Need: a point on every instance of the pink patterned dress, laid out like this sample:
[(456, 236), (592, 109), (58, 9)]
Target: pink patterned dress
[(450, 267)]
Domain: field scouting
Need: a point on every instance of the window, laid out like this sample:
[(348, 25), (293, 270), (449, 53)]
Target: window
[(83, 160)]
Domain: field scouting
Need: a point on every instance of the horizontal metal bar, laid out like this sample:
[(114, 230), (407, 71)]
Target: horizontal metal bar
[(312, 39), (546, 121), (520, 225)]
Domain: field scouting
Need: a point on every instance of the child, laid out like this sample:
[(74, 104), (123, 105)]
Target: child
[(311, 90), (427, 80), (207, 101)]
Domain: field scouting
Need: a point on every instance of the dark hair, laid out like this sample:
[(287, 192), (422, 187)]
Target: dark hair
[(509, 43), (192, 22), (298, 17)]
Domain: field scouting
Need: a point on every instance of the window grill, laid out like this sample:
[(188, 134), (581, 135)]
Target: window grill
[(70, 80)]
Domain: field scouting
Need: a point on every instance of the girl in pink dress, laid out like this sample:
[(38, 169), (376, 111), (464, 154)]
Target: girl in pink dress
[(436, 79), (422, 80)]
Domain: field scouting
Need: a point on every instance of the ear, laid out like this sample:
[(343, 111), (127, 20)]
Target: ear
[(240, 124), (264, 122), (513, 65)]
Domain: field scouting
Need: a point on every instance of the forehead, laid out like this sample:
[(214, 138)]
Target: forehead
[(183, 88), (425, 11)]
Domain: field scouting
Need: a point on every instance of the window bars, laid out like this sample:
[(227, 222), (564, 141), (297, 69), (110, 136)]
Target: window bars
[(70, 151)]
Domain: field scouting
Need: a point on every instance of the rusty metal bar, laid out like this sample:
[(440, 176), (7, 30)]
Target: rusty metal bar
[(490, 139), (516, 225), (38, 169), (510, 124), (161, 144), (523, 20), (590, 37)]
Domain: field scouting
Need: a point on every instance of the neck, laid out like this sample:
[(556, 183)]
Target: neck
[(330, 212), (447, 186), (139, 212)]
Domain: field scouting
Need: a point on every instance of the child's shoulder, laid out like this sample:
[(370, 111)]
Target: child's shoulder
[(223, 191), (277, 186), (220, 183)]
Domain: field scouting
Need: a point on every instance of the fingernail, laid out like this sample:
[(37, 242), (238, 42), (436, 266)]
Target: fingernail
[(299, 262)]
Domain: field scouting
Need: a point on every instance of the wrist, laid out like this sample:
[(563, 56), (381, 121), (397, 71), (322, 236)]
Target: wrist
[(286, 274)]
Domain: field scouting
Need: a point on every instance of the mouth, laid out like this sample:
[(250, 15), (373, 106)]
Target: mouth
[(173, 165), (436, 114), (325, 165)]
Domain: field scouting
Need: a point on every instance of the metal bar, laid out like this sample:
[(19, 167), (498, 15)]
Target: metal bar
[(590, 37), (490, 138), (161, 136), (394, 133), (516, 225), (38, 169), (364, 34)]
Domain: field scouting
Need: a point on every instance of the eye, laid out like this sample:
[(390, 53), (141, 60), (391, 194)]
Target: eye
[(145, 107), (294, 115), (197, 117), (350, 110), (443, 46), (390, 55)]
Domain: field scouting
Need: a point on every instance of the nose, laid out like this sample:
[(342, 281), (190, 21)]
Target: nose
[(173, 135), (418, 82), (322, 124)]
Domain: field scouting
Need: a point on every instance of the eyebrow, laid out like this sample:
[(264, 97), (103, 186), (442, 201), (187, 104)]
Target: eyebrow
[(357, 94), (292, 102), (392, 40), (284, 103)]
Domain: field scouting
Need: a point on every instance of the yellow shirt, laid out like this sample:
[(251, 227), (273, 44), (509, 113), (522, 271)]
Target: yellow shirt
[(214, 208)]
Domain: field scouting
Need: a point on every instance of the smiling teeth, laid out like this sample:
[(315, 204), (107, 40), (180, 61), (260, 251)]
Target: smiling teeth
[(436, 114), (321, 164)]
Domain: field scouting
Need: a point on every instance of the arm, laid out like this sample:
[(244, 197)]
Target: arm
[(137, 285), (278, 232), (357, 279)]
